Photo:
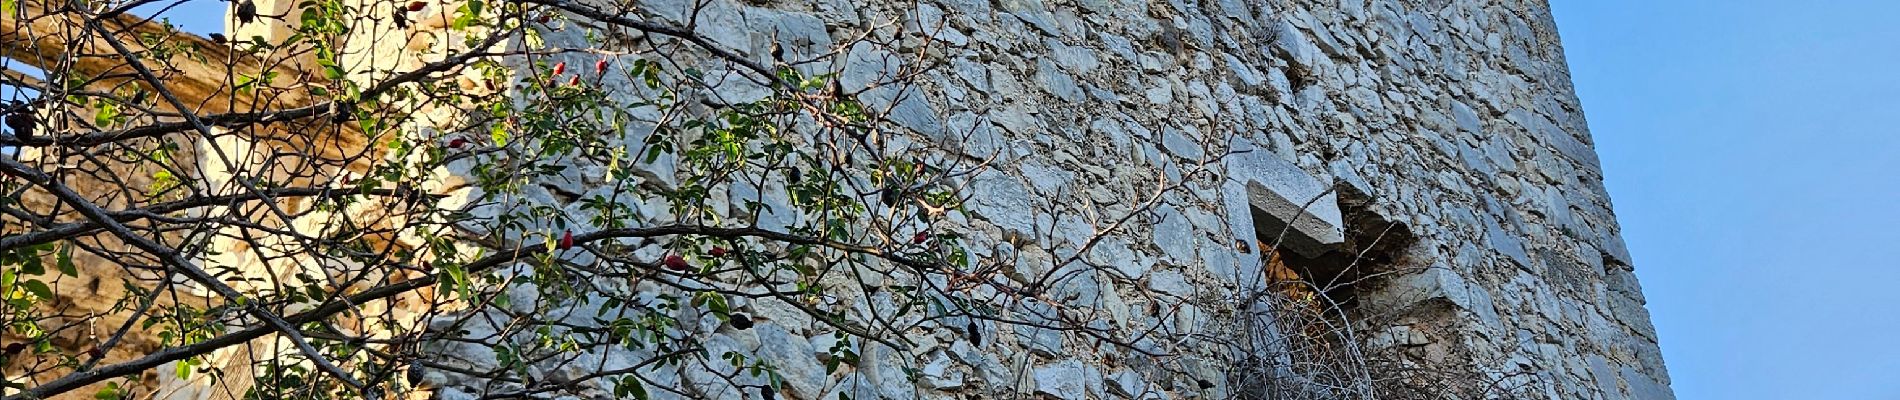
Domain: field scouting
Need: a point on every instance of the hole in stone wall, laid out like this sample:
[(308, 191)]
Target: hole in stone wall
[(1304, 265), (1318, 335), (1298, 78)]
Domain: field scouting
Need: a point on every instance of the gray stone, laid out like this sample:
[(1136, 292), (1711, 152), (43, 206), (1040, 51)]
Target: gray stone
[(1293, 44), (791, 355), (1623, 282), (1498, 151), (1114, 251), (1505, 242), (1604, 376), (1032, 12), (801, 35), (889, 370), (930, 20), (979, 137), (1467, 119), (1631, 313), (1642, 386), (1076, 59), (1171, 283), (1058, 83), (1243, 72), (1221, 260), (939, 374), (977, 10), (1048, 180), (709, 377), (1283, 191), (854, 386), (1127, 384), (724, 20), (1174, 235), (1474, 158), (1060, 117), (1159, 94), (1068, 379), (1562, 141), (1615, 249), (865, 64), (1044, 341), (993, 372), (1006, 202), (1016, 120), (1181, 144), (907, 107)]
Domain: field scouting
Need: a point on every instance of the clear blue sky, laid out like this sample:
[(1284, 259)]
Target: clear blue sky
[(1752, 148)]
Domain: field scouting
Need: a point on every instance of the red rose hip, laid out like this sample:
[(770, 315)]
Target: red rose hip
[(675, 262)]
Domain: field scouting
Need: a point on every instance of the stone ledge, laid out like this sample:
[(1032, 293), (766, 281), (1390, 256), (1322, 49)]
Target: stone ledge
[(1286, 194)]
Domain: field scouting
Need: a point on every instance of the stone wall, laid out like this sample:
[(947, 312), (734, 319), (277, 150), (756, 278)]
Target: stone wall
[(1451, 122), (1431, 151)]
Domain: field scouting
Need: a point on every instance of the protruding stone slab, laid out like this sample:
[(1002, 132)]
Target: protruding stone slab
[(1287, 199)]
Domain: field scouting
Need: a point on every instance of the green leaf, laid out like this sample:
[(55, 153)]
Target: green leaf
[(107, 115), (653, 154), (630, 387), (719, 308), (245, 83), (334, 72), (38, 288), (110, 392), (458, 279), (31, 266), (469, 15), (64, 261), (499, 135)]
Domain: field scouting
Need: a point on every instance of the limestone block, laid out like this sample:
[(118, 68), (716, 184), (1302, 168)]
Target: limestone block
[(1280, 190), (1005, 202), (1068, 380)]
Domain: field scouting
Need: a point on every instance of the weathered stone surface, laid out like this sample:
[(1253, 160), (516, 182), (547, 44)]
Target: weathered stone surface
[(1467, 118), (1045, 341), (939, 374), (1068, 379), (791, 354), (1642, 386), (1006, 202), (1506, 243), (1443, 122), (1292, 43), (1127, 385), (1057, 82), (1174, 235), (1308, 208), (1170, 283)]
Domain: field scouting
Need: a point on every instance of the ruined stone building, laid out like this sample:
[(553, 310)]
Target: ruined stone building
[(1181, 199)]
